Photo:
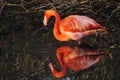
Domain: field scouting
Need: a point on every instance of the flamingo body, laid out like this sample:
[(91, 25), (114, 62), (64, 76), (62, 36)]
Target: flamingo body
[(73, 27)]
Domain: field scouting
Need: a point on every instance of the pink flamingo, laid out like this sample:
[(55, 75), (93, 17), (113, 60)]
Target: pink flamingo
[(75, 59), (73, 27)]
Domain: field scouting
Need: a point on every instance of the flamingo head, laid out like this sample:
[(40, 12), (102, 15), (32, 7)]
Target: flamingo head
[(51, 67), (56, 73), (47, 15)]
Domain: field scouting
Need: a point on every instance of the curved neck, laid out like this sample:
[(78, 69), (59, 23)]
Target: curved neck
[(56, 73), (57, 33)]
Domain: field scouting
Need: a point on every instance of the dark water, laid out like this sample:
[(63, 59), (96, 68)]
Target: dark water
[(27, 58), (26, 49)]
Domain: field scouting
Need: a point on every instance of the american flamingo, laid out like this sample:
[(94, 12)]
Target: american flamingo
[(75, 59), (73, 27)]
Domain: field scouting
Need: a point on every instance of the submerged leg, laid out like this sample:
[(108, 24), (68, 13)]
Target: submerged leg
[(79, 42)]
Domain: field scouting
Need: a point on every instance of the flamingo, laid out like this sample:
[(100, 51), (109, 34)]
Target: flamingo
[(76, 59), (73, 27)]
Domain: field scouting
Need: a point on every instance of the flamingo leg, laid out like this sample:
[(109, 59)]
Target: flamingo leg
[(95, 39), (79, 42)]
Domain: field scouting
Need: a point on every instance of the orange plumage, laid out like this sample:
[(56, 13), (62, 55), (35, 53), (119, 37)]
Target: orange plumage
[(73, 27), (76, 59)]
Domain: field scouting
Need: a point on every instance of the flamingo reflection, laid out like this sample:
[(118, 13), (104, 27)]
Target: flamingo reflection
[(76, 58)]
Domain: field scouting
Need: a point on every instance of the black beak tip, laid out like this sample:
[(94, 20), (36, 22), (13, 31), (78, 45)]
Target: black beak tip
[(45, 27)]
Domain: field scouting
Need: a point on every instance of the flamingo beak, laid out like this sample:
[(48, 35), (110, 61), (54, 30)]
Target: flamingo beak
[(45, 28), (45, 22)]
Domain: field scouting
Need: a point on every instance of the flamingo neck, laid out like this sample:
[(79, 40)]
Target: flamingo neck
[(56, 30), (55, 72)]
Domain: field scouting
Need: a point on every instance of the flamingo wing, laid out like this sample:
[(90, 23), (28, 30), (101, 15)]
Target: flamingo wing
[(81, 62), (75, 23), (78, 27)]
